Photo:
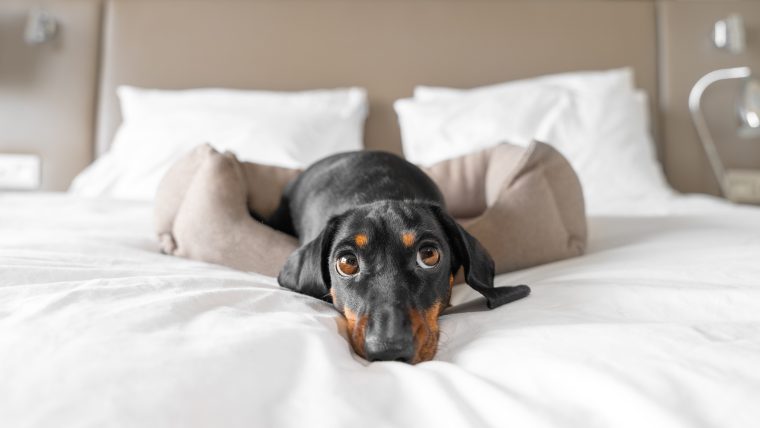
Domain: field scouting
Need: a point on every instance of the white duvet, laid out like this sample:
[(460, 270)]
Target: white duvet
[(657, 326)]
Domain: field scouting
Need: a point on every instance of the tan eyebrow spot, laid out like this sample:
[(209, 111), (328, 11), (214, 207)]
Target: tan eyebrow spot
[(408, 239), (361, 239)]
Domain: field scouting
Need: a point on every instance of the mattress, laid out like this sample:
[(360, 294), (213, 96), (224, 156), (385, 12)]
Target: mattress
[(658, 325)]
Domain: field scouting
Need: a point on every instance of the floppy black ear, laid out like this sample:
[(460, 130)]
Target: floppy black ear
[(306, 271), (478, 264)]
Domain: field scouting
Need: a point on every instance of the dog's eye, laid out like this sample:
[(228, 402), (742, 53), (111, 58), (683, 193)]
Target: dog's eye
[(347, 265), (428, 257)]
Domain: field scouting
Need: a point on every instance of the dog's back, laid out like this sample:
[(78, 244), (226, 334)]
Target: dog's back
[(347, 180)]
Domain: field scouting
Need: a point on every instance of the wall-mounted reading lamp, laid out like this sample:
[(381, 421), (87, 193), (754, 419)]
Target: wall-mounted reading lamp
[(738, 185), (729, 34), (41, 27)]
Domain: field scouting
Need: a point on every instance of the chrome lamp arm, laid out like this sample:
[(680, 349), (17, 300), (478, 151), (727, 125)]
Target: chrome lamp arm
[(695, 107)]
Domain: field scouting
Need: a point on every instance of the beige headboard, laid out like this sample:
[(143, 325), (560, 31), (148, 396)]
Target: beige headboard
[(386, 46)]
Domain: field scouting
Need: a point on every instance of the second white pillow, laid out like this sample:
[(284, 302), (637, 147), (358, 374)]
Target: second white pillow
[(603, 132)]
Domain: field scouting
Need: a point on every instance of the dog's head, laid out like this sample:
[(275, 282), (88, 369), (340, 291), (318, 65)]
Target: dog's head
[(389, 268)]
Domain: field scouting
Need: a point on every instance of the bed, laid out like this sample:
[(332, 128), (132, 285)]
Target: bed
[(658, 324)]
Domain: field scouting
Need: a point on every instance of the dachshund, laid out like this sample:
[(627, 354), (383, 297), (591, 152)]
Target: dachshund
[(377, 242)]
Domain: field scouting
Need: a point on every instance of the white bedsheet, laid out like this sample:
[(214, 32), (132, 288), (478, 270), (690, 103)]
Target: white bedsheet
[(658, 326)]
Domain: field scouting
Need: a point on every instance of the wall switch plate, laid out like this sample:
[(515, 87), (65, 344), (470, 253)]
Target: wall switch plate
[(742, 185), (20, 172)]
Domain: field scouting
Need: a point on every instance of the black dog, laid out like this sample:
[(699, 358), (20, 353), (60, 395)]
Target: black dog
[(377, 242)]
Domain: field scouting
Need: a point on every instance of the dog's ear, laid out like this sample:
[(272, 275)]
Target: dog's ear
[(478, 264), (307, 270)]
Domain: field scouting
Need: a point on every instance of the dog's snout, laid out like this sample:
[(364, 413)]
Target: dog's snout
[(389, 336)]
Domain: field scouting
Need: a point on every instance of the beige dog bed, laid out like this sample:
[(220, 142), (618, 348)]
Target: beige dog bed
[(524, 204)]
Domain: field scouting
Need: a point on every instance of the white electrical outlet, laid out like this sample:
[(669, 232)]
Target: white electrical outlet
[(19, 172), (743, 185)]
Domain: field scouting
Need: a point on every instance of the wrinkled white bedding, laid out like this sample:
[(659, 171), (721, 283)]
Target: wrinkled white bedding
[(658, 326)]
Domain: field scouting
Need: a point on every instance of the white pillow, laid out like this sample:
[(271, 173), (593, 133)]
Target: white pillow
[(603, 133), (290, 129), (460, 123)]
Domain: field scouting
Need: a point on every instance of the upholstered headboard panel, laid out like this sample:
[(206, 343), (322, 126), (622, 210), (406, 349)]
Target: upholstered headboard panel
[(387, 46)]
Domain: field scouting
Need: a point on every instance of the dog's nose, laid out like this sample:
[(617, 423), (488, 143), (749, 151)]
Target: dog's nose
[(399, 350), (389, 336)]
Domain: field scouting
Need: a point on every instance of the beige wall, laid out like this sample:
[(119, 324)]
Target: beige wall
[(47, 92)]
